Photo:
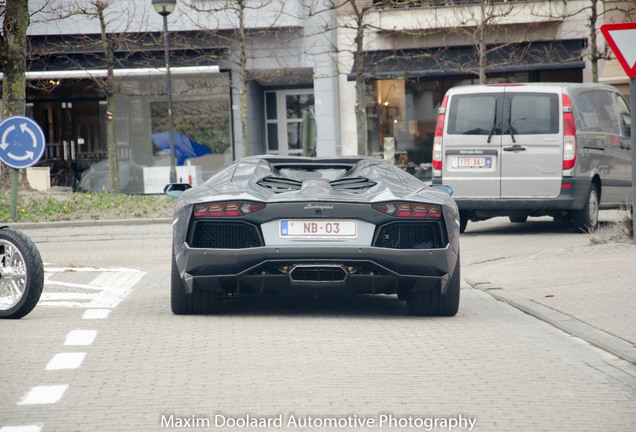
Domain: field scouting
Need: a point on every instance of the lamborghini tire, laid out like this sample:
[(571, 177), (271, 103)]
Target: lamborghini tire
[(199, 302), (433, 302)]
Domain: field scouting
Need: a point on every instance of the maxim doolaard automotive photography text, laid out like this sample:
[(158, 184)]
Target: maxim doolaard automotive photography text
[(316, 422)]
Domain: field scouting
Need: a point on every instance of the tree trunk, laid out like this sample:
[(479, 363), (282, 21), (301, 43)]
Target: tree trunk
[(482, 44), (594, 54), (361, 114), (16, 21), (111, 131), (13, 56), (245, 131), (361, 103)]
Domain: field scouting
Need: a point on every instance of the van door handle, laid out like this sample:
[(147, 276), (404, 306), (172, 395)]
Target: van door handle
[(514, 148)]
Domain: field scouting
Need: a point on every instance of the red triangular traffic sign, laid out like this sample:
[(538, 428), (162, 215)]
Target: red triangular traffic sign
[(621, 38)]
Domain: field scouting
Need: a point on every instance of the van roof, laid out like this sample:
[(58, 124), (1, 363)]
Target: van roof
[(549, 86)]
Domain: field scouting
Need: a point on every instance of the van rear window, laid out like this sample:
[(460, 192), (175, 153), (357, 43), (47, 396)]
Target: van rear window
[(472, 114), (533, 114)]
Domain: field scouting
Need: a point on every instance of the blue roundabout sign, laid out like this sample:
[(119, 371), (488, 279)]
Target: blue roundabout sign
[(21, 142)]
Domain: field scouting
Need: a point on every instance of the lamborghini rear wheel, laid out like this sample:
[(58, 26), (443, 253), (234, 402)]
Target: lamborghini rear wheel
[(449, 302), (433, 302), (199, 302)]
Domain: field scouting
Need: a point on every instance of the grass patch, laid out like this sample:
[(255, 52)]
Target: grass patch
[(69, 206), (620, 231)]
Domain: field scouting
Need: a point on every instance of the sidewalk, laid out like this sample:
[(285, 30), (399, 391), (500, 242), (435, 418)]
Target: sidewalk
[(589, 292)]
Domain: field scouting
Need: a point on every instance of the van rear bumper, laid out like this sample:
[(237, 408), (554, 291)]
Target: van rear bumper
[(573, 196)]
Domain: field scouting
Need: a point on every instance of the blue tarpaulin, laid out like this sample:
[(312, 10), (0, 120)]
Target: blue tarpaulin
[(184, 146)]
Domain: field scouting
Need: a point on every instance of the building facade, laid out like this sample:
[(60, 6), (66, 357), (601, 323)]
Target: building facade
[(291, 59)]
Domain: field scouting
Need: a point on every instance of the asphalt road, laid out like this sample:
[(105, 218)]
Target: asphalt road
[(103, 352)]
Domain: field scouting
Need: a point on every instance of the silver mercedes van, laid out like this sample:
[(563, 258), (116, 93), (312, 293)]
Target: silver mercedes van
[(536, 149)]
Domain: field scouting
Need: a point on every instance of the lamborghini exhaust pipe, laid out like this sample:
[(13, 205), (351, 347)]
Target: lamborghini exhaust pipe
[(317, 273)]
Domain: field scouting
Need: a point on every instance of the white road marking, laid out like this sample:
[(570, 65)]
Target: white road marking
[(42, 395), (64, 297), (25, 428), (80, 337), (120, 285), (95, 314), (49, 283), (48, 269), (66, 361), (109, 287)]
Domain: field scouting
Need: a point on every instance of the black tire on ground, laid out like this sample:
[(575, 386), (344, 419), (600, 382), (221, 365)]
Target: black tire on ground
[(449, 302), (518, 219), (21, 274), (586, 219), (463, 222), (433, 302), (422, 303), (199, 302), (563, 219), (178, 295)]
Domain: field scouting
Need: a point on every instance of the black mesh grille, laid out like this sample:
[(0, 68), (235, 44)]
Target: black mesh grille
[(317, 273), (410, 236), (224, 235)]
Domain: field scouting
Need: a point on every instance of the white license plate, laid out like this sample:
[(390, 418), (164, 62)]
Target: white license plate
[(325, 228), (474, 162)]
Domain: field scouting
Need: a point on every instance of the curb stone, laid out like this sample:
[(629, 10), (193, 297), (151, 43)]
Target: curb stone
[(86, 223), (615, 345)]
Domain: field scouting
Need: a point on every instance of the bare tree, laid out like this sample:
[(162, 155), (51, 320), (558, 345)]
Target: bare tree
[(107, 45), (109, 89), (484, 21), (488, 27), (596, 12), (354, 22), (229, 25), (360, 26)]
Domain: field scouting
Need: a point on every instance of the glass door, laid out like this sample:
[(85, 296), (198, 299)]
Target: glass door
[(73, 138), (284, 115)]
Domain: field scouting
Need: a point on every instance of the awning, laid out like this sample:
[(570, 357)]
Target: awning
[(462, 60), (124, 73)]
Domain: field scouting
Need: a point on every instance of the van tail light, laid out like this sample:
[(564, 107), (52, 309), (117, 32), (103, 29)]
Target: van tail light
[(569, 135), (223, 209), (439, 133)]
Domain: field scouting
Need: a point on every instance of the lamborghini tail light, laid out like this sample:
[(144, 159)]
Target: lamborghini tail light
[(225, 209), (405, 209)]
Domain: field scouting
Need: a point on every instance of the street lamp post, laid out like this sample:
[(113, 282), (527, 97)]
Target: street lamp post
[(165, 8)]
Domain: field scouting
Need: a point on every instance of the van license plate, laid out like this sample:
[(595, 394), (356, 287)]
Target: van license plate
[(299, 228), (474, 162)]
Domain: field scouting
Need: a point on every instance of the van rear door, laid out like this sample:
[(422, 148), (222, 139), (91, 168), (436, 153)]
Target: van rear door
[(472, 142), (532, 145)]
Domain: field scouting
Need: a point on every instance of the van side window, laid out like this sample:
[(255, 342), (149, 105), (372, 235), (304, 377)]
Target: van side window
[(624, 117), (596, 112), (472, 114), (532, 114), (607, 113), (586, 117)]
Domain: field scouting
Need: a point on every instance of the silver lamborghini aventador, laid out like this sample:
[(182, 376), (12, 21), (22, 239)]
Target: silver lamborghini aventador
[(318, 226)]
